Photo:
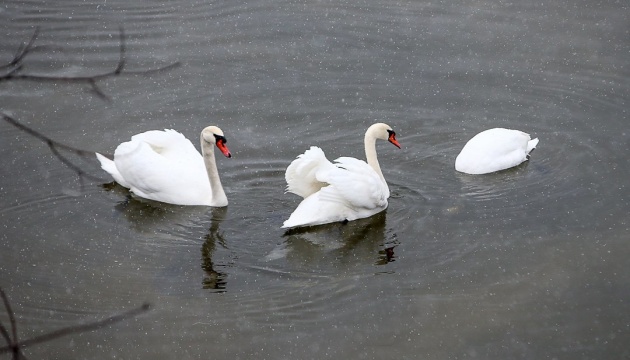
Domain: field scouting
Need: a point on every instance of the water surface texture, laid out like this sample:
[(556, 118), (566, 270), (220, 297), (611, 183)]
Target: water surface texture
[(529, 263)]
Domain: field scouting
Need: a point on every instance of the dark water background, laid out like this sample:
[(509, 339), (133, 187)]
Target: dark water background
[(531, 263)]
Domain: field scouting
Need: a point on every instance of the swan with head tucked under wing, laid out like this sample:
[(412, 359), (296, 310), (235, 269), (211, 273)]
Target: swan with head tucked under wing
[(494, 150), (165, 166), (345, 190)]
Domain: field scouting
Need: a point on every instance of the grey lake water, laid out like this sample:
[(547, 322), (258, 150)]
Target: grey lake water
[(529, 263)]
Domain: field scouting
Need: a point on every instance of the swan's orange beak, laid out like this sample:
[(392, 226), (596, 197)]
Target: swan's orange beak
[(224, 149), (392, 139)]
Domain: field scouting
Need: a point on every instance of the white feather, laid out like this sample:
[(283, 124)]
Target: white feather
[(301, 175), (494, 150), (347, 189), (165, 166)]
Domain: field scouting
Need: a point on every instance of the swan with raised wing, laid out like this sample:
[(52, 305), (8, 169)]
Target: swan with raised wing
[(345, 190), (165, 166)]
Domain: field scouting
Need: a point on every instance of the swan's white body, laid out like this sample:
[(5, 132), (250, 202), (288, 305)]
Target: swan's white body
[(345, 190), (494, 150), (165, 166)]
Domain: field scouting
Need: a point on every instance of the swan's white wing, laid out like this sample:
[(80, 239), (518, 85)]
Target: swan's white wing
[(494, 150), (354, 191), (301, 174), (163, 166), (355, 184), (168, 143)]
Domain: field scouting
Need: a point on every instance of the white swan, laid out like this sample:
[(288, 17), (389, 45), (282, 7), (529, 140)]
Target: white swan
[(494, 150), (165, 166), (346, 190)]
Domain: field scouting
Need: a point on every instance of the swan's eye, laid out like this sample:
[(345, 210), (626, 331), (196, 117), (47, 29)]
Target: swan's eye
[(219, 138)]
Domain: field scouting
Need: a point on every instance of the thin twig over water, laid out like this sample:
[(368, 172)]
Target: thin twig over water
[(55, 146), (15, 67), (16, 346), (12, 338), (22, 51)]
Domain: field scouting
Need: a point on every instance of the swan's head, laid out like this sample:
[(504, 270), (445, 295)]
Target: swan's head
[(383, 132), (214, 135)]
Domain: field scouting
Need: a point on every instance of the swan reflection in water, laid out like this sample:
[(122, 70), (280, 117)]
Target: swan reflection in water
[(148, 216), (213, 279), (363, 240), (175, 224), (498, 185)]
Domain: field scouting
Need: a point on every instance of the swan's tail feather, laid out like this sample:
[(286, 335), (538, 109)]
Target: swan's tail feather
[(531, 145), (109, 166)]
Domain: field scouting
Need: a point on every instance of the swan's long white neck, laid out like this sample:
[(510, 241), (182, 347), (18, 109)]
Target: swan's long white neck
[(218, 195), (370, 153)]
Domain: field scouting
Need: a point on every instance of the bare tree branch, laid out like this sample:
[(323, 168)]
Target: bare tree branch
[(11, 340), (55, 146), (98, 90), (121, 58), (22, 51), (44, 138), (81, 328), (7, 305), (15, 67), (5, 334), (16, 346)]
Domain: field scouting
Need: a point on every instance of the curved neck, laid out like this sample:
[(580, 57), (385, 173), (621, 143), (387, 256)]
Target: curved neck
[(370, 154), (218, 195)]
